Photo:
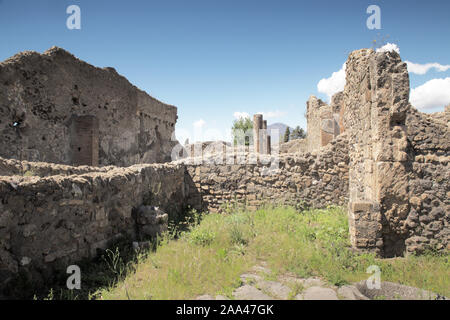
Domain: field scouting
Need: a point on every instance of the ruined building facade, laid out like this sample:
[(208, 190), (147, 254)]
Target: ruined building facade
[(323, 121), (399, 177), (389, 165), (56, 108)]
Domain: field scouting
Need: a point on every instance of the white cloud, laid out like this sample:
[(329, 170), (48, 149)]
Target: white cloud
[(273, 114), (424, 68), (432, 94), (238, 115), (199, 124), (333, 84), (389, 47)]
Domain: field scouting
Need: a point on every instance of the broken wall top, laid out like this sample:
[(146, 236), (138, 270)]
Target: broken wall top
[(35, 64)]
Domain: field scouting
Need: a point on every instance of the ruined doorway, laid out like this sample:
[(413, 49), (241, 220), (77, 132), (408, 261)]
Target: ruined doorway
[(84, 140)]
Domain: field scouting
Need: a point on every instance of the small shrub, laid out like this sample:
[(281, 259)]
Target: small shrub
[(29, 173), (203, 237), (237, 236)]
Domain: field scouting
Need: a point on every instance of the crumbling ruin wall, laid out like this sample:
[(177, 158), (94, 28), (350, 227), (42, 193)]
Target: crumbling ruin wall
[(443, 116), (13, 167), (428, 220), (312, 179), (322, 121), (47, 224), (398, 160), (294, 146), (56, 108)]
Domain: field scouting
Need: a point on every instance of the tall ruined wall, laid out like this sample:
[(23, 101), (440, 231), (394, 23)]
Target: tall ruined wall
[(322, 121), (316, 179), (47, 224), (388, 144), (313, 110), (56, 108)]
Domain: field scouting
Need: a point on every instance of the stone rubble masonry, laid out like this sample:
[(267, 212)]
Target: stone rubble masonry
[(205, 148), (322, 121), (294, 146), (56, 108), (312, 179), (399, 174), (12, 167), (49, 223), (67, 214)]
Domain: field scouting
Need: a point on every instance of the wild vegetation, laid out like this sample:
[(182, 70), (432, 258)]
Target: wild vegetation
[(216, 249)]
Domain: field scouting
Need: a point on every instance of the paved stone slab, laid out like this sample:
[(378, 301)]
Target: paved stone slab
[(313, 282), (205, 297), (247, 292), (250, 277), (261, 269), (350, 292), (275, 289), (317, 293), (395, 291)]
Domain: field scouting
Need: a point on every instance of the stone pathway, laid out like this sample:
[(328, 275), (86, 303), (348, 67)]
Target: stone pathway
[(259, 284)]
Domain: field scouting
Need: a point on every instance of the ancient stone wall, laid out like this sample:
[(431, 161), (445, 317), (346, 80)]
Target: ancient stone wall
[(311, 179), (398, 160), (428, 221), (322, 121), (294, 146), (12, 167), (56, 108), (52, 221), (48, 223)]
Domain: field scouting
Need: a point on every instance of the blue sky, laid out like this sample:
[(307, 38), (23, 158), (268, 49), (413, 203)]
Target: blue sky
[(214, 58)]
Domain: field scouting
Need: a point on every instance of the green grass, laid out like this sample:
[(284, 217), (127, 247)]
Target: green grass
[(210, 256)]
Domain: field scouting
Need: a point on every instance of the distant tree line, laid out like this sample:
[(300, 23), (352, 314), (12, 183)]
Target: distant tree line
[(297, 133), (245, 126)]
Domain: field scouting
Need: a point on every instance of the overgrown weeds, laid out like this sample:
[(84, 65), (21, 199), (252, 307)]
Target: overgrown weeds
[(212, 251)]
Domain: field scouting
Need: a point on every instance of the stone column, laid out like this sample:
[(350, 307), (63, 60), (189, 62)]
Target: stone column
[(264, 137), (268, 143), (257, 125)]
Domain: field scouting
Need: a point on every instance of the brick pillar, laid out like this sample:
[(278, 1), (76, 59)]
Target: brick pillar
[(257, 125), (268, 143)]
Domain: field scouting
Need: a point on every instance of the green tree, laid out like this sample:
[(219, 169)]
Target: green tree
[(287, 134), (298, 133), (242, 130)]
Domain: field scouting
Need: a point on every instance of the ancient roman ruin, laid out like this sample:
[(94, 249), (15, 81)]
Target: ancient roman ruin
[(58, 109), (87, 160)]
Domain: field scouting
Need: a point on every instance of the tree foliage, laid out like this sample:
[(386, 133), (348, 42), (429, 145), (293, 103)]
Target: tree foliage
[(287, 134), (242, 130), (298, 133)]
